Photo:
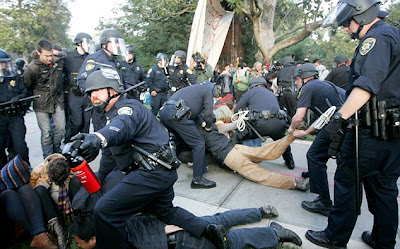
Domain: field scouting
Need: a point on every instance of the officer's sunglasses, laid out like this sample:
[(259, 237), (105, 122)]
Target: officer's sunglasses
[(347, 22)]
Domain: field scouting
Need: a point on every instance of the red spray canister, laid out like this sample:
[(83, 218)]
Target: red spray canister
[(87, 178), (81, 169)]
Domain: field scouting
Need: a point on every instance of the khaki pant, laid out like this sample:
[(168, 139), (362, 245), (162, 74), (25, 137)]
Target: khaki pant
[(241, 159)]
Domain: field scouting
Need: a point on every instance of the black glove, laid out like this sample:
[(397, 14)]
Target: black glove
[(90, 146), (334, 126), (14, 100)]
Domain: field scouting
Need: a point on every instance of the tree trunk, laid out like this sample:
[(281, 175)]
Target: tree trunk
[(233, 47)]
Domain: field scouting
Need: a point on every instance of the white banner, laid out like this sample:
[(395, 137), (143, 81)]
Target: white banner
[(209, 29)]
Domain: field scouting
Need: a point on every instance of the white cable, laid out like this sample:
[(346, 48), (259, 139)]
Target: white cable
[(240, 118), (324, 118)]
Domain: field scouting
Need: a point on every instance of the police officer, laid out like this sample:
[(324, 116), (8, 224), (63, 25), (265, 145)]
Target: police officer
[(157, 82), (132, 71), (314, 94), (12, 89), (268, 120), (182, 114), (374, 72), (78, 120), (145, 188), (339, 75), (180, 74), (19, 66), (285, 85)]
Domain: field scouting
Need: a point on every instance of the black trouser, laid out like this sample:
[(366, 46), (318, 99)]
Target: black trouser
[(288, 100)]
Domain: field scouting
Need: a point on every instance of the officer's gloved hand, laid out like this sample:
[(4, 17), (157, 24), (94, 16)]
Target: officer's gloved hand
[(90, 146), (334, 126), (14, 100)]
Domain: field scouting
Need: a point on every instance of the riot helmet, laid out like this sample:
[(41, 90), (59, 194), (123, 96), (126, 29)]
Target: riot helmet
[(257, 81), (130, 49), (163, 58), (6, 69), (287, 60), (306, 70), (105, 77), (114, 42), (20, 63), (362, 11), (86, 42), (341, 58)]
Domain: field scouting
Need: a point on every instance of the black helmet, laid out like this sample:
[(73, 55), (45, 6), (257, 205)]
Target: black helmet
[(20, 63), (161, 56), (107, 34), (130, 49), (181, 54), (287, 60), (6, 69), (306, 70), (341, 58), (79, 37), (106, 77), (258, 81), (362, 11)]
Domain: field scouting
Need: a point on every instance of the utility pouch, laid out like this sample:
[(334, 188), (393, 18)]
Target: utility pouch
[(393, 123), (381, 115), (141, 162), (374, 116), (365, 116)]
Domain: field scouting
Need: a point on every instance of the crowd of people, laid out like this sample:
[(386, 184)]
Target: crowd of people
[(195, 109)]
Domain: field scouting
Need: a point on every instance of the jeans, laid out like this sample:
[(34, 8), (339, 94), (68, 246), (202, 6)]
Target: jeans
[(23, 207), (51, 138)]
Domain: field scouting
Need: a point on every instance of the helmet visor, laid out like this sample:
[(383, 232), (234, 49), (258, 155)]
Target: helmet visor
[(116, 46), (6, 69), (88, 45), (340, 15)]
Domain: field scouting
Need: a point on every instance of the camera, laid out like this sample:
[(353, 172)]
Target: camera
[(199, 60)]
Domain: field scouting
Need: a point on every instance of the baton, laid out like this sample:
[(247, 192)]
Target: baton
[(357, 169), (256, 132), (23, 99), (124, 91)]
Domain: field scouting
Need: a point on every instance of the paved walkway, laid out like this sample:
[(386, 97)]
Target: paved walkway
[(233, 191)]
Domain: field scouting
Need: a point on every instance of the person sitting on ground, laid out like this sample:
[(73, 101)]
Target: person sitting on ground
[(145, 231), (52, 181)]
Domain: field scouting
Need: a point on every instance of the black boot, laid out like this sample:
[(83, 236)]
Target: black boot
[(57, 229), (367, 238), (289, 162), (285, 235), (318, 206), (201, 182), (218, 235)]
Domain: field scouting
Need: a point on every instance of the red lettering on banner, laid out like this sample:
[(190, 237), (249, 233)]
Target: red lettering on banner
[(211, 24)]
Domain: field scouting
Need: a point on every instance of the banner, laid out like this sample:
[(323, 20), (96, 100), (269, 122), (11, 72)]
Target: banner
[(209, 29)]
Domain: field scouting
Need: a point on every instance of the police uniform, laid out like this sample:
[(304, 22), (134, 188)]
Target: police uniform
[(376, 69), (132, 74), (313, 95), (78, 119), (130, 122), (181, 76), (285, 83), (156, 80), (260, 100), (199, 99), (12, 118), (339, 76)]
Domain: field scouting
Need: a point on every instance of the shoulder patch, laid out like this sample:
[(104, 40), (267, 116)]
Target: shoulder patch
[(12, 83), (90, 64), (150, 70), (367, 46), (189, 71), (138, 69), (126, 110)]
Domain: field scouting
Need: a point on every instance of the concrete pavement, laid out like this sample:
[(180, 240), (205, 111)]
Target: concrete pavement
[(233, 191)]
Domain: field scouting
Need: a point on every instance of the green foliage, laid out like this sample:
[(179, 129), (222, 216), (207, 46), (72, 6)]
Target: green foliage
[(394, 17), (24, 23)]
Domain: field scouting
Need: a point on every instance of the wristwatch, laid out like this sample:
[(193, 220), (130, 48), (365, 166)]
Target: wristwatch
[(337, 116)]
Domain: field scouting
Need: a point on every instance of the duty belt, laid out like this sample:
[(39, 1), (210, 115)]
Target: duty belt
[(171, 241), (267, 115)]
